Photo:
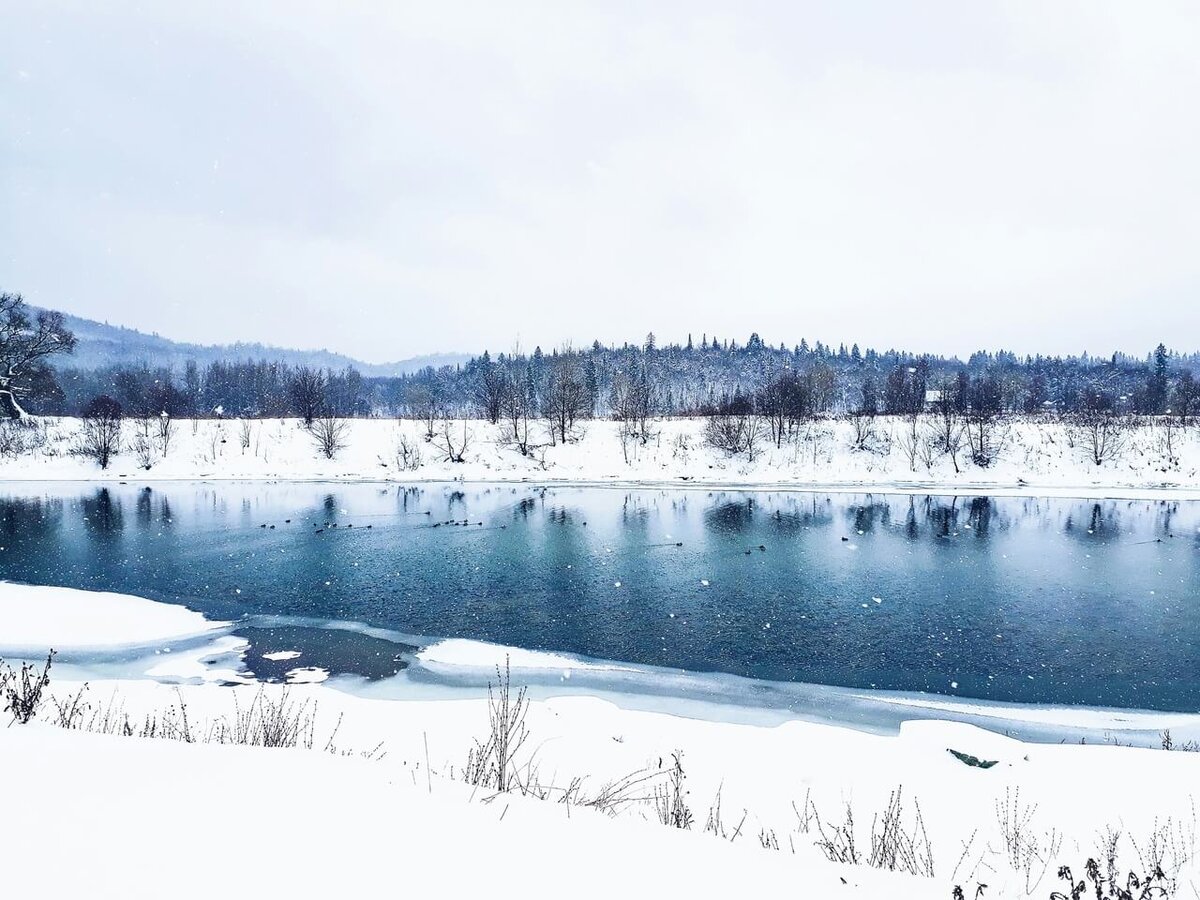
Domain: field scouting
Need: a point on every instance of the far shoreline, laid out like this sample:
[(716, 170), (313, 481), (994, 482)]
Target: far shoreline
[(941, 489)]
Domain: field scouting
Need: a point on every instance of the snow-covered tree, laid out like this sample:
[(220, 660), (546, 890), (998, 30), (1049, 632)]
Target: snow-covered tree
[(24, 344)]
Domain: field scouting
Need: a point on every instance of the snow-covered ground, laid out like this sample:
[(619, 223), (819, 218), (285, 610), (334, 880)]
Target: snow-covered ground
[(1036, 457), (379, 801)]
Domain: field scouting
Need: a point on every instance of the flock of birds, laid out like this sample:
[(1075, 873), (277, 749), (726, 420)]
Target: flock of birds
[(320, 528)]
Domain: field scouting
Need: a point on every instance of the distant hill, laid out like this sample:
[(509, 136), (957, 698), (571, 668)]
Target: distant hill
[(100, 344)]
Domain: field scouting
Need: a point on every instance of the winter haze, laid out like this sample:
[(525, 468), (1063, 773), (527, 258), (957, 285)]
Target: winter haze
[(414, 178)]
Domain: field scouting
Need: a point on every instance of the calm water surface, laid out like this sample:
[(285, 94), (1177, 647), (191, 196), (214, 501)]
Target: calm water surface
[(1019, 599)]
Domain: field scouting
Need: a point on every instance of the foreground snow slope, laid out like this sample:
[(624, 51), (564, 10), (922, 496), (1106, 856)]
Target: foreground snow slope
[(380, 802), (163, 807), (1036, 457), (119, 817)]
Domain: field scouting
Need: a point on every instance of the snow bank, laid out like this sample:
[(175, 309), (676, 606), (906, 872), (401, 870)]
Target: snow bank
[(1036, 458), (360, 828), (34, 619)]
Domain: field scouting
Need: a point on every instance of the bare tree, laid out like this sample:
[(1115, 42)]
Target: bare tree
[(566, 400), (329, 433), (408, 454), (452, 447), (143, 441), (772, 404), (1100, 429), (948, 421), (862, 429), (515, 429), (1166, 439), (306, 390), (928, 451), (100, 433), (425, 403), (982, 422), (166, 429), (910, 440), (785, 401), (24, 344), (517, 405), (631, 400)]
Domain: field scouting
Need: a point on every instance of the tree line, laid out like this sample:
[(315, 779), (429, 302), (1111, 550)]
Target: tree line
[(629, 383)]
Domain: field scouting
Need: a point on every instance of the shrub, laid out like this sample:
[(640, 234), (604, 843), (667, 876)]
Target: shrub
[(734, 433), (670, 800), (492, 762), (329, 433), (22, 691), (100, 434)]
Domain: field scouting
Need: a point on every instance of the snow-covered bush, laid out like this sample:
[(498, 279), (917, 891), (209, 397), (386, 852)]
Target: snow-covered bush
[(734, 433), (1102, 432), (13, 435), (329, 433), (100, 431), (408, 454), (862, 430), (144, 442)]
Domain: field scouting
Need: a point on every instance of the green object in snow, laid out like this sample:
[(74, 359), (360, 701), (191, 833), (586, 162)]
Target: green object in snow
[(973, 760)]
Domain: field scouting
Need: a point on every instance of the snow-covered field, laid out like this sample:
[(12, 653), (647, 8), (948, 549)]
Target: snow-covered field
[(1036, 457), (379, 801)]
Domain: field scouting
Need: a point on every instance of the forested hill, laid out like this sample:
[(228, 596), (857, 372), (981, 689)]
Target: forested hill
[(101, 345)]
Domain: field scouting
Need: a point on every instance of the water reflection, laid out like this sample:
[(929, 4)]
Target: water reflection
[(1028, 599)]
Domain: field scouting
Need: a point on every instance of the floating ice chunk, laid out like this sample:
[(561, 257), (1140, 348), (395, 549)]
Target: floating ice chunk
[(280, 655), (307, 675), (704, 582)]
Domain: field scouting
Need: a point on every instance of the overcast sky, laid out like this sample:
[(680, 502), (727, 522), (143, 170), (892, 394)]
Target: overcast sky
[(451, 176)]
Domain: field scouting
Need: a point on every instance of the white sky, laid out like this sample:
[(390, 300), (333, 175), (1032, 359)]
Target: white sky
[(451, 176)]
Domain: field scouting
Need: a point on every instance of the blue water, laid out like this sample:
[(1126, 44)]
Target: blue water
[(1013, 599)]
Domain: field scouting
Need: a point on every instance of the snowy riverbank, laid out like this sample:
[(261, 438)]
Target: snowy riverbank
[(1035, 457), (382, 791)]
